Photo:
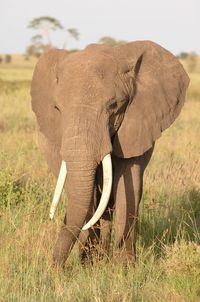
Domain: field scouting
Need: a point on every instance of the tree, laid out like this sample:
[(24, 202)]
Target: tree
[(47, 25), (110, 41), (37, 39), (107, 40), (43, 41), (8, 58), (36, 48), (73, 32), (183, 55)]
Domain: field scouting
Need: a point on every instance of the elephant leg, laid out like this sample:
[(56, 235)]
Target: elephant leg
[(105, 232), (95, 242), (88, 243), (106, 222), (128, 193), (128, 186), (106, 219)]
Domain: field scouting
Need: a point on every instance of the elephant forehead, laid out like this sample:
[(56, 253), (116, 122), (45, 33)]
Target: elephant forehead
[(86, 77), (88, 64), (84, 90)]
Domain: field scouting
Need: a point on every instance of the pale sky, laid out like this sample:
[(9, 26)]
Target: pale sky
[(175, 24)]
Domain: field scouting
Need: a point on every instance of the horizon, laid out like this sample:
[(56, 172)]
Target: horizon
[(173, 25)]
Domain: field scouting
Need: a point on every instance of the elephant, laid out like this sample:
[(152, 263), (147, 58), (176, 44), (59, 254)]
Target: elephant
[(99, 112)]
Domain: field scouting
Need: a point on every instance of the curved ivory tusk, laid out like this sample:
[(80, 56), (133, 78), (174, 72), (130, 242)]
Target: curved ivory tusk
[(59, 187), (107, 186)]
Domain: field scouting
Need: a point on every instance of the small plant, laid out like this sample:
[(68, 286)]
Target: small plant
[(11, 193)]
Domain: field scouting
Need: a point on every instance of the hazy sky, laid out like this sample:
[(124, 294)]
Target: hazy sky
[(175, 24)]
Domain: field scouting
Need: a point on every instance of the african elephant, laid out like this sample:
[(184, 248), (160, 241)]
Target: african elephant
[(99, 112)]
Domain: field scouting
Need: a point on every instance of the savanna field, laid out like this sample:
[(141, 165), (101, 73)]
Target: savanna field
[(168, 265)]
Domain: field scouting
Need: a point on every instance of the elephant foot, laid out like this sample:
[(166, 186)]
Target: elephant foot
[(89, 246), (90, 254), (85, 255), (124, 257)]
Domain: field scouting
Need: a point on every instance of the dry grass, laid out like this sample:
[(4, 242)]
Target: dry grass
[(168, 267)]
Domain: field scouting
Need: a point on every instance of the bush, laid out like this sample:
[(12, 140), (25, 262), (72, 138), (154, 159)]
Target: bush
[(15, 190), (8, 58), (183, 55), (11, 193)]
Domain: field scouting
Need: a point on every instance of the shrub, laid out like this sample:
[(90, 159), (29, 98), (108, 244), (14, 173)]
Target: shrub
[(11, 193), (183, 55), (8, 58)]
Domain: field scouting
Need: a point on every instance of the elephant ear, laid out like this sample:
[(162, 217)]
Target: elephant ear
[(44, 95), (161, 84)]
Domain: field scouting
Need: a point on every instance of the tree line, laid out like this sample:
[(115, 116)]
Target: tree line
[(42, 40)]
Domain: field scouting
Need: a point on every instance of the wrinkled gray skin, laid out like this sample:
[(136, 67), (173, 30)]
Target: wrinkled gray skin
[(104, 99)]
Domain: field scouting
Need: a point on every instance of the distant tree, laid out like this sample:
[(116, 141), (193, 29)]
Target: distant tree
[(43, 41), (35, 51), (72, 32), (47, 25), (110, 41), (8, 58), (121, 42), (37, 47), (183, 55), (192, 60), (107, 40), (1, 59), (73, 50), (37, 39)]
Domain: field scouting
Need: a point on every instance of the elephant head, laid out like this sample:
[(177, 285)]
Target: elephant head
[(98, 101)]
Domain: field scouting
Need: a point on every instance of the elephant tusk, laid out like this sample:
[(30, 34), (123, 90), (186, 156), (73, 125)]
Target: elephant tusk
[(59, 187), (107, 186)]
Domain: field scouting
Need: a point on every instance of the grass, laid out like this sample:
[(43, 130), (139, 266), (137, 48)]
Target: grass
[(168, 266)]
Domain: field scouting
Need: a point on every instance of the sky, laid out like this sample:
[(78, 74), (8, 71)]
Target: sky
[(174, 24)]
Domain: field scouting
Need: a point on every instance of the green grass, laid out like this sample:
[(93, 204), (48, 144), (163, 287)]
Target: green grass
[(168, 265)]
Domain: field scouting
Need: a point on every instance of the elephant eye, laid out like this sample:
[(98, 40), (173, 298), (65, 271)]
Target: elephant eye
[(111, 104), (56, 107)]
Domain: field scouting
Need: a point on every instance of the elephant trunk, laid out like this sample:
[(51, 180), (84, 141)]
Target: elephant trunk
[(81, 152), (80, 190)]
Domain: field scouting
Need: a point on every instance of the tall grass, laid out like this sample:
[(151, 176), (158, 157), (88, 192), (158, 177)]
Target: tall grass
[(168, 265)]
